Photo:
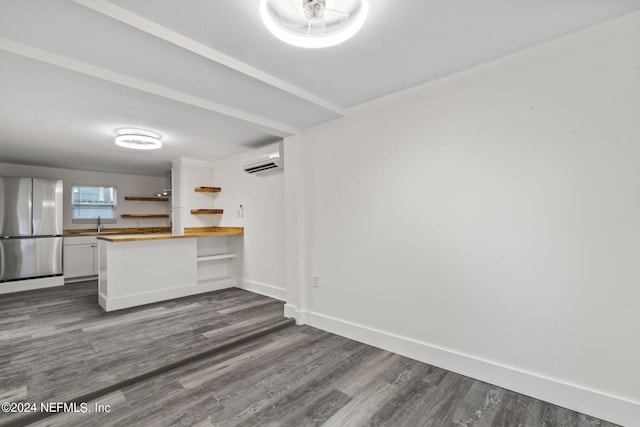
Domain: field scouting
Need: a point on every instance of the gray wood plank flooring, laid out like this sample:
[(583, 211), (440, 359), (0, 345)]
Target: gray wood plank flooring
[(57, 344), (296, 376)]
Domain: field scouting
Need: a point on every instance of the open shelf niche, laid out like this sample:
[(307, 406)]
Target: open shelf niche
[(216, 260)]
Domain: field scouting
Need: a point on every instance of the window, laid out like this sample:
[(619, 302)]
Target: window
[(90, 202)]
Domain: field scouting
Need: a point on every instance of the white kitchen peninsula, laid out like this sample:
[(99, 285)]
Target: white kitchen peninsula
[(144, 268)]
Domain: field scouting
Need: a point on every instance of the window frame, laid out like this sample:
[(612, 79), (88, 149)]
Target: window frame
[(94, 220)]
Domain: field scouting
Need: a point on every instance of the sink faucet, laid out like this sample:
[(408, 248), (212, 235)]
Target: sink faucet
[(99, 225)]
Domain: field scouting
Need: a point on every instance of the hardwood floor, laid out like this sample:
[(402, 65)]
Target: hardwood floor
[(295, 376), (57, 344)]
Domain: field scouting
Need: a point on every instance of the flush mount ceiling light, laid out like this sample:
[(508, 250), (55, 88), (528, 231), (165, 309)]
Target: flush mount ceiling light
[(138, 139), (314, 23)]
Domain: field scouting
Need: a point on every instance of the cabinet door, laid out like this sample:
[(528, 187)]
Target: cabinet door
[(79, 260)]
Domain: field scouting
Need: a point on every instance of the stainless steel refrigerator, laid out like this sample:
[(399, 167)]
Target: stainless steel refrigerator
[(30, 228)]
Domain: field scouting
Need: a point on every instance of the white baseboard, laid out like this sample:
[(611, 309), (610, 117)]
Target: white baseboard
[(292, 312), (30, 284), (102, 300), (263, 289), (132, 300), (591, 402), (79, 279)]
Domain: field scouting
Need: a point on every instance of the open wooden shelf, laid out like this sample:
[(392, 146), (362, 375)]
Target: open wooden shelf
[(207, 189), (147, 199), (144, 216), (206, 211)]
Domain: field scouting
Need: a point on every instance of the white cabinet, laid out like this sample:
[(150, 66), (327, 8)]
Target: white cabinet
[(80, 258)]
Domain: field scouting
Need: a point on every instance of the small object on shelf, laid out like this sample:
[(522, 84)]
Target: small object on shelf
[(144, 216), (147, 199), (206, 211), (207, 189)]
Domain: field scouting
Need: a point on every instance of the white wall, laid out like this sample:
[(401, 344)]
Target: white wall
[(488, 223), (187, 174), (262, 216), (127, 185)]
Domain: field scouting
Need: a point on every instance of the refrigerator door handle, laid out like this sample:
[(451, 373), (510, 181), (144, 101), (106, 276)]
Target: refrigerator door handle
[(30, 192), (37, 200), (2, 261)]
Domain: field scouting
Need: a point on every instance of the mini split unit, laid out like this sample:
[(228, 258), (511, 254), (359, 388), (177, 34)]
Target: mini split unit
[(265, 159)]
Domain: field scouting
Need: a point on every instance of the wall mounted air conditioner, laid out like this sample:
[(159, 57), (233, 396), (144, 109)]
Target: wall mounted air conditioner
[(265, 159)]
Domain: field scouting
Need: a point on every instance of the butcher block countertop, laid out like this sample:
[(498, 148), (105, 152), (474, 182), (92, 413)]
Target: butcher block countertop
[(188, 233), (128, 230)]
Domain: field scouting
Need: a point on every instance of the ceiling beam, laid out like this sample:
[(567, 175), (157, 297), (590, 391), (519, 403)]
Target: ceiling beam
[(125, 16), (271, 126)]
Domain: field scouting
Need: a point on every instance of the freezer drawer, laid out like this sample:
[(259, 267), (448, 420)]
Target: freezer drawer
[(29, 258)]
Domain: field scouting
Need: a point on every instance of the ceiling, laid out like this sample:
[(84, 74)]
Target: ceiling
[(209, 77)]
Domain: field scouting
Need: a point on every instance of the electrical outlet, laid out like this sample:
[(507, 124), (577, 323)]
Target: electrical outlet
[(315, 281)]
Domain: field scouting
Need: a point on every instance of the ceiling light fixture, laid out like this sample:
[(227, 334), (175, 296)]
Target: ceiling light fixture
[(138, 139), (314, 23)]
